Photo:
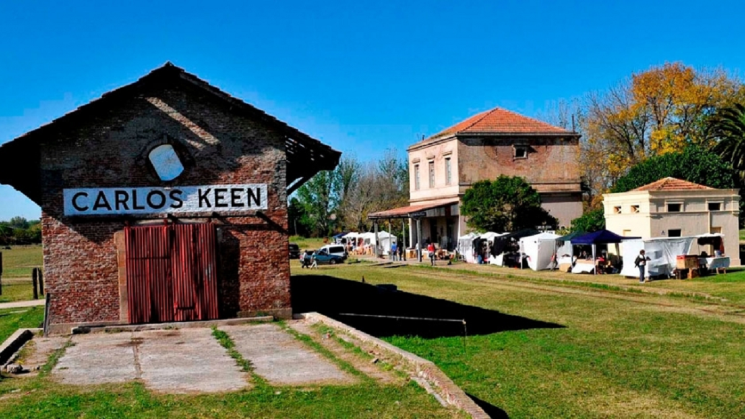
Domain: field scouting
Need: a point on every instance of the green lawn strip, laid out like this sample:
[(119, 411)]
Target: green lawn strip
[(612, 358), (12, 319), (731, 298), (307, 340), (322, 329), (133, 400), (16, 291), (224, 339), (20, 260)]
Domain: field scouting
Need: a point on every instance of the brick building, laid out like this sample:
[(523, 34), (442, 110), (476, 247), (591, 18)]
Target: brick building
[(484, 146), (163, 200)]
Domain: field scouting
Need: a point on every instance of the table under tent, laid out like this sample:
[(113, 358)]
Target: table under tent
[(565, 251), (539, 250), (664, 251), (601, 237)]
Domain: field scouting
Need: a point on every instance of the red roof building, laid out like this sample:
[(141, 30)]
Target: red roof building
[(484, 146)]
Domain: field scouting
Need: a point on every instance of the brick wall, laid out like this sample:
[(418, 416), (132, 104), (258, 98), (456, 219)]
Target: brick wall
[(549, 159), (110, 150)]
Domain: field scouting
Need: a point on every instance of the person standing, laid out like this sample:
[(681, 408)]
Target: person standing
[(641, 262), (394, 251), (431, 250)]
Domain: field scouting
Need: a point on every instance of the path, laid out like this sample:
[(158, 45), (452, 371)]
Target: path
[(21, 304)]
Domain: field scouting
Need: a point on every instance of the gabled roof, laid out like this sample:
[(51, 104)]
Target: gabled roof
[(671, 184), (306, 156), (499, 121)]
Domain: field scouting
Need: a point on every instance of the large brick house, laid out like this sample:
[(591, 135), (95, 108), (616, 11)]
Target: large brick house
[(164, 200), (484, 146)]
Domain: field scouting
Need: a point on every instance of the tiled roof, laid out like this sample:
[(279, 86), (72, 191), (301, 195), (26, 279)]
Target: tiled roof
[(403, 212), (671, 184), (499, 121)]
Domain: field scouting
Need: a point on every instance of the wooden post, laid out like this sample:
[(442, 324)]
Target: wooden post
[(390, 240), (419, 238), (41, 281), (34, 283)]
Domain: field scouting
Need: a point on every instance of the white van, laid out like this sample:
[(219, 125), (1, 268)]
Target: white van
[(335, 249)]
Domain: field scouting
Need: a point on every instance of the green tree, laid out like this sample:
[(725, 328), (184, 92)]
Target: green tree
[(727, 128), (590, 221), (508, 203), (319, 203), (694, 164)]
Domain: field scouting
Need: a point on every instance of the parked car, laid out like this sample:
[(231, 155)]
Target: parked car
[(323, 257), (294, 251), (335, 249)]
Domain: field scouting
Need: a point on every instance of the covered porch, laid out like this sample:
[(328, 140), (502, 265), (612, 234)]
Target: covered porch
[(437, 222)]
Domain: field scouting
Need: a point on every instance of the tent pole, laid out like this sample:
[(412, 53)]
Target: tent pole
[(390, 240), (375, 226), (594, 261)]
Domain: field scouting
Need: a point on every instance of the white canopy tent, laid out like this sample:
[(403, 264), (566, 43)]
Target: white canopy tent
[(465, 246), (385, 238), (661, 251), (540, 250)]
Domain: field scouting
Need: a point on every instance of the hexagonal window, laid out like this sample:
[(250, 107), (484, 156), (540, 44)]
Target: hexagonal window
[(166, 162)]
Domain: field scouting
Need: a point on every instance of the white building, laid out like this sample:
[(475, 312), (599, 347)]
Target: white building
[(672, 208)]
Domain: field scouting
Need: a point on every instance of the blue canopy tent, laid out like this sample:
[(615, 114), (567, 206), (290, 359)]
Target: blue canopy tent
[(599, 237), (337, 237)]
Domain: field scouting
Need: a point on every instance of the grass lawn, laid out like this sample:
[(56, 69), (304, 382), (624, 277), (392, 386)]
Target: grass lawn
[(308, 243), (20, 260), (742, 235), (15, 318), (549, 350), (17, 265), (42, 397)]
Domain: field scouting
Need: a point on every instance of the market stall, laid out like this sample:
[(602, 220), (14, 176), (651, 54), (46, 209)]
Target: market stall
[(540, 250), (601, 237), (662, 252)]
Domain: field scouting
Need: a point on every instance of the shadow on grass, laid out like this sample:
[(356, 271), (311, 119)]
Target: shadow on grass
[(338, 298), (493, 411)]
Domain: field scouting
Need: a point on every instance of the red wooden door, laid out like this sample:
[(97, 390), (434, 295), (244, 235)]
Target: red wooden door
[(171, 273)]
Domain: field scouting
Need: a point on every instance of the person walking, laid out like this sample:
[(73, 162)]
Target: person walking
[(641, 262), (394, 251), (431, 250), (313, 261)]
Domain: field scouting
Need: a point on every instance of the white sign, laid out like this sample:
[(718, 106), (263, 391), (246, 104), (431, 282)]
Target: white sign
[(171, 200)]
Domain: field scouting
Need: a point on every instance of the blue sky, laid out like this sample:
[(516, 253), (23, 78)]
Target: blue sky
[(361, 76)]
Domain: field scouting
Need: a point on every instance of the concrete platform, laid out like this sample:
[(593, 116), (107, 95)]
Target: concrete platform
[(283, 360), (172, 361), (187, 361)]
